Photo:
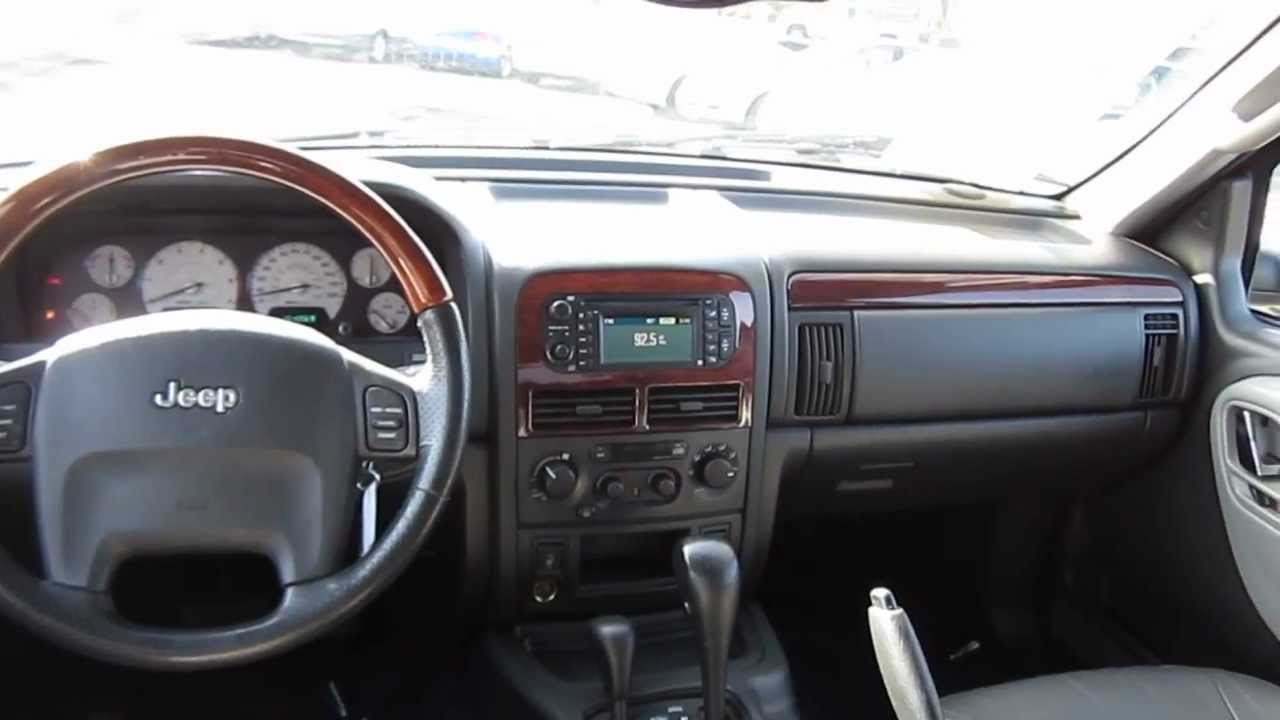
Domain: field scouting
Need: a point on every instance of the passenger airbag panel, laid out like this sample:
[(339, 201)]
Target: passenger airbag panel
[(995, 362)]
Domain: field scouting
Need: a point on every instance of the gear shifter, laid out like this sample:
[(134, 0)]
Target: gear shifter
[(617, 640), (707, 571)]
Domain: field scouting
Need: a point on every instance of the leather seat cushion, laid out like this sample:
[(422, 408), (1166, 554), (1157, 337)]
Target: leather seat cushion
[(1140, 693)]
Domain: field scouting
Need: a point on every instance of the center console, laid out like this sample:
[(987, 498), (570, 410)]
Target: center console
[(635, 392)]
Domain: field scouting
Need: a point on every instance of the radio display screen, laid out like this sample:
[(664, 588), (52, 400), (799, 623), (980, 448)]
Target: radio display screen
[(642, 339)]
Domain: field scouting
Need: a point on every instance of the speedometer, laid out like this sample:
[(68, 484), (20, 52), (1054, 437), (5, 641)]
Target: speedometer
[(189, 274), (297, 274)]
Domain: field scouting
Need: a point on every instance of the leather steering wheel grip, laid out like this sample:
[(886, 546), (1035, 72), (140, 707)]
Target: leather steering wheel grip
[(84, 621), (27, 207)]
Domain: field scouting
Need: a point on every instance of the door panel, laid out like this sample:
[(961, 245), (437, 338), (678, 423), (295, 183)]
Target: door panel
[(1245, 435)]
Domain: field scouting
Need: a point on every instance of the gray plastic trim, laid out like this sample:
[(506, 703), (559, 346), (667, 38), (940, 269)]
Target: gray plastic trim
[(1254, 530)]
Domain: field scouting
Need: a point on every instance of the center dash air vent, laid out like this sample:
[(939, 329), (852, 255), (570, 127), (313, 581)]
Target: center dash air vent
[(610, 408), (1160, 333), (676, 406), (822, 365)]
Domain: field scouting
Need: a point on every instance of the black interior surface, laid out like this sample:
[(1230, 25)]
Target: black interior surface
[(998, 467)]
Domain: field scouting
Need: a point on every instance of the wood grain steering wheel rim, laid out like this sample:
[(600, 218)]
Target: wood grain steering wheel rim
[(27, 207)]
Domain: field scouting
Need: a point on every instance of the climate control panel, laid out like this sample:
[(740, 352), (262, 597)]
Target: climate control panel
[(600, 479)]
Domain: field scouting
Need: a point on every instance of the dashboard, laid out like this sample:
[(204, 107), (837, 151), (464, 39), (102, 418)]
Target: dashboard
[(636, 377)]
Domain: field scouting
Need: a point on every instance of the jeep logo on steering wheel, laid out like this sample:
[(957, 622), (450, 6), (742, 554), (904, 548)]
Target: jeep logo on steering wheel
[(217, 399)]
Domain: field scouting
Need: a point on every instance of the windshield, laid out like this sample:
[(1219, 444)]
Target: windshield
[(1025, 95)]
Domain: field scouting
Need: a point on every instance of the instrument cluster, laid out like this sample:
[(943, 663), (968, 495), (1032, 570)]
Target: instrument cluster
[(341, 287)]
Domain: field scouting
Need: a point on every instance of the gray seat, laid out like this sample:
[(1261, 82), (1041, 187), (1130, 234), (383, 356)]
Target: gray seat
[(1140, 693)]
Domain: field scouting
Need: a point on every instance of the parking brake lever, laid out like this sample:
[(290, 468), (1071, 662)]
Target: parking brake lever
[(902, 665)]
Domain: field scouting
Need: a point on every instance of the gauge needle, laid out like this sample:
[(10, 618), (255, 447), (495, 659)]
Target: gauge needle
[(277, 291), (385, 322), (111, 269), (193, 287), (373, 277)]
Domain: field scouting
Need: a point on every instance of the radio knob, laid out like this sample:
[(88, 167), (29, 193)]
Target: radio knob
[(610, 486), (560, 310), (556, 477), (715, 470), (663, 482), (559, 352)]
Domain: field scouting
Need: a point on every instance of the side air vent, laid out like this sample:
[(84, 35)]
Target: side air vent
[(678, 406), (612, 408), (1160, 332), (822, 365)]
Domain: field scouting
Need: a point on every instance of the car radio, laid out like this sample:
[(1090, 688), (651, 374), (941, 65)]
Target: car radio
[(585, 333)]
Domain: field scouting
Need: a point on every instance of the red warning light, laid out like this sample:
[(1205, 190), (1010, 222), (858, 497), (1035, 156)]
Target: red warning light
[(50, 314), (54, 280)]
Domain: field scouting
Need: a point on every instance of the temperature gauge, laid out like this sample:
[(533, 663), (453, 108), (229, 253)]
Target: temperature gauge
[(91, 309), (388, 313)]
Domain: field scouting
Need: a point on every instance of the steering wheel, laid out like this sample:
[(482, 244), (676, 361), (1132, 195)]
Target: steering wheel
[(208, 431)]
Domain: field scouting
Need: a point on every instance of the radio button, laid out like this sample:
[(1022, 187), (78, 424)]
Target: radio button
[(559, 352), (726, 314), (726, 344), (560, 310)]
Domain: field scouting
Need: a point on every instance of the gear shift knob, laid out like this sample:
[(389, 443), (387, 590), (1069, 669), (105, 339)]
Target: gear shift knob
[(617, 640), (707, 571)]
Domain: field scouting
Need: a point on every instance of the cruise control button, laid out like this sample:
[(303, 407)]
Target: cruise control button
[(15, 402), (385, 424)]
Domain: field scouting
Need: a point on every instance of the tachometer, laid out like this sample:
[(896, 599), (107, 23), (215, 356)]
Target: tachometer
[(297, 274), (91, 309), (369, 268), (189, 274), (388, 312), (109, 266)]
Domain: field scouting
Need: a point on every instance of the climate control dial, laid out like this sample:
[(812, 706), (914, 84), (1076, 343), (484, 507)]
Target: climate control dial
[(556, 477), (716, 466)]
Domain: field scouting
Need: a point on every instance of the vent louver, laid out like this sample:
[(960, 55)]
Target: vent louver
[(676, 406), (612, 408), (821, 369), (1159, 355)]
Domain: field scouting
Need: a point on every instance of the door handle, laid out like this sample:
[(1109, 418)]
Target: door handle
[(1263, 443)]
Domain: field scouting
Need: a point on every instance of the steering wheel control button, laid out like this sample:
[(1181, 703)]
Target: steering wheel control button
[(385, 419), (15, 404)]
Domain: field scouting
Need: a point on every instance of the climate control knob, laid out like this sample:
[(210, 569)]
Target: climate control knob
[(716, 466), (556, 477), (610, 486), (664, 483)]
